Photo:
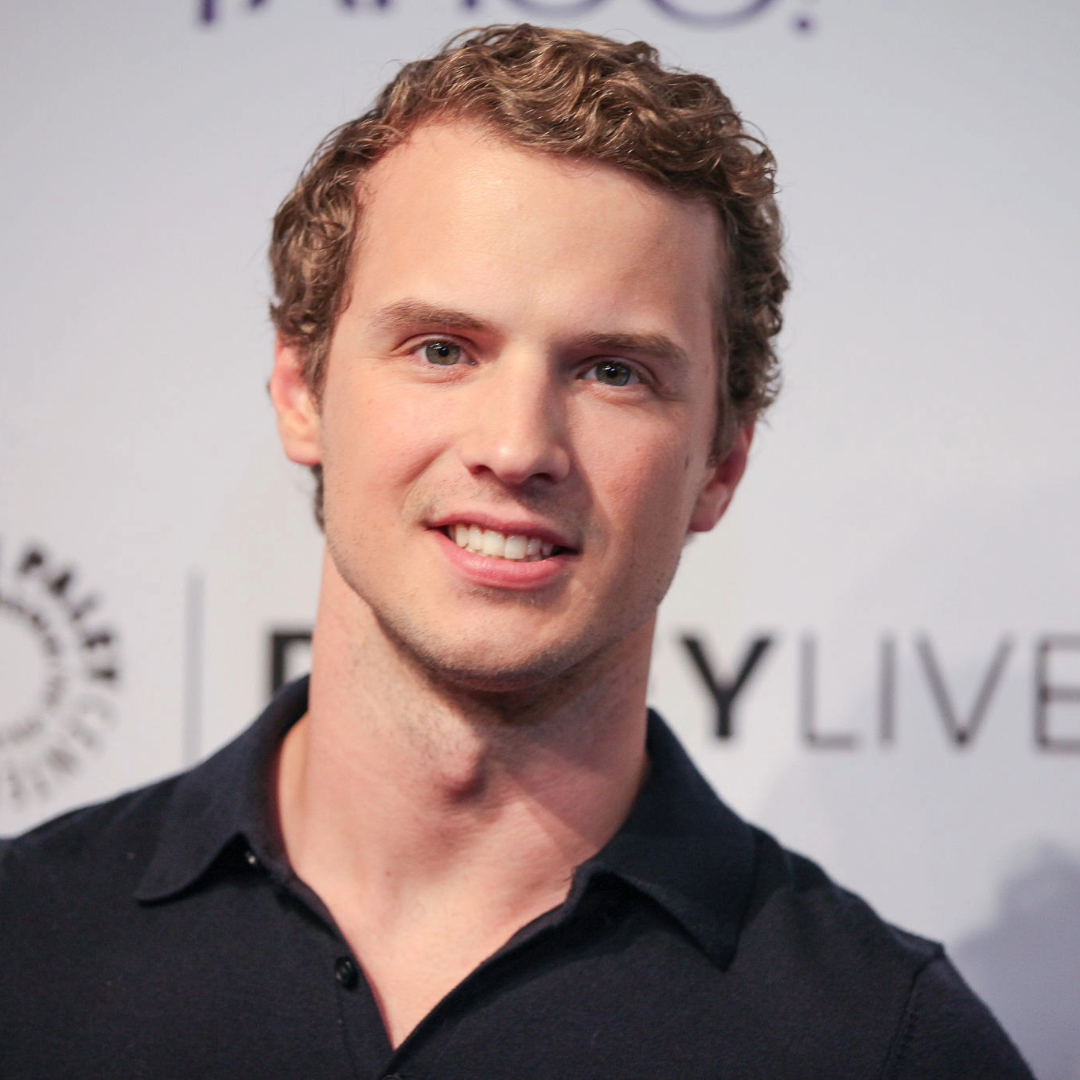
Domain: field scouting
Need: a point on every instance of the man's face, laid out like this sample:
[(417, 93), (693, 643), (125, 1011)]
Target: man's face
[(517, 416)]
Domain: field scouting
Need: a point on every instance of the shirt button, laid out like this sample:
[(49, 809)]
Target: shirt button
[(345, 972), (251, 858)]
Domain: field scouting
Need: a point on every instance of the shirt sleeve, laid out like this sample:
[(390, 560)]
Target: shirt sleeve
[(947, 1031)]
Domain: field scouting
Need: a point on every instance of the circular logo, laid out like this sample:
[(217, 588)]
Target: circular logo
[(59, 674)]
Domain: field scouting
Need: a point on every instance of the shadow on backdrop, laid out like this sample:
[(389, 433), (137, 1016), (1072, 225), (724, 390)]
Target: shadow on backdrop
[(1026, 964)]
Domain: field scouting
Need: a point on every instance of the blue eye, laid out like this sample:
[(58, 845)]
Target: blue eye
[(444, 353), (612, 373)]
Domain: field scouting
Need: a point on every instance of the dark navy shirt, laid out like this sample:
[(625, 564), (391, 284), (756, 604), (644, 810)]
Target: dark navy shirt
[(163, 934)]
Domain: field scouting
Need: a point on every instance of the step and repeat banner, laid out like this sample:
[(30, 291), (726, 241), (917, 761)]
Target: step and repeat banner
[(877, 654)]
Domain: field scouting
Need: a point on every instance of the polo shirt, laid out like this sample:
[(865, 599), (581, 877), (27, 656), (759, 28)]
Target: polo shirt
[(163, 934)]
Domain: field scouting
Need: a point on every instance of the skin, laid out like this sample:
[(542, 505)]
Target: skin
[(529, 346)]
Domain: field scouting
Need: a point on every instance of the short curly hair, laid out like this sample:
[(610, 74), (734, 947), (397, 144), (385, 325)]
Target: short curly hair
[(563, 92)]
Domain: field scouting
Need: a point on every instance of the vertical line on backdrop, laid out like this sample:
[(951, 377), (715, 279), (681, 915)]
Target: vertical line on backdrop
[(193, 627)]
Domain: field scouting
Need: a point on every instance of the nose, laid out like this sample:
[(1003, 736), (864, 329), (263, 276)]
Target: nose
[(516, 426)]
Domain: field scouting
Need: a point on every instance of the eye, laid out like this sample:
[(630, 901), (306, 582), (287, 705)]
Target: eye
[(443, 353), (612, 373)]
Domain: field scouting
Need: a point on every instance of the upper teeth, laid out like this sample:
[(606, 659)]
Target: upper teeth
[(500, 546)]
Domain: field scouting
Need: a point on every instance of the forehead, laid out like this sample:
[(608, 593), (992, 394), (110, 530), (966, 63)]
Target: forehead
[(459, 210)]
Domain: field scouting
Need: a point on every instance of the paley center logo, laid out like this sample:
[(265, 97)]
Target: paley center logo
[(703, 14), (61, 670)]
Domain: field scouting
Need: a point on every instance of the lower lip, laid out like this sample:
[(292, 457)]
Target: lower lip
[(498, 573)]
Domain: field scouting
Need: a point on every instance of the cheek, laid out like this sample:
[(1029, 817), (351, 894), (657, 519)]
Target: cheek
[(373, 436), (648, 482)]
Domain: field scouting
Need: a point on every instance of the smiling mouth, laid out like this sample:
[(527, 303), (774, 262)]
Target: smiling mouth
[(497, 545)]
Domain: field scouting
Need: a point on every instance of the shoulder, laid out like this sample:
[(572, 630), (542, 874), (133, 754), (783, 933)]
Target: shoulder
[(105, 844), (947, 1031), (796, 906), (182, 821), (68, 913), (845, 978)]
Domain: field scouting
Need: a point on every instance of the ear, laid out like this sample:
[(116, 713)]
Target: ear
[(722, 480), (294, 403)]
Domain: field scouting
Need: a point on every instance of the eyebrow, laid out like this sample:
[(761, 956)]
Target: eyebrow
[(658, 346), (409, 312)]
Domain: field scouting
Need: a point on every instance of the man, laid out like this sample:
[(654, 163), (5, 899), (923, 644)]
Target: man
[(525, 310)]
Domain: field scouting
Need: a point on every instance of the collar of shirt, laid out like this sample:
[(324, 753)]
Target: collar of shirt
[(680, 846)]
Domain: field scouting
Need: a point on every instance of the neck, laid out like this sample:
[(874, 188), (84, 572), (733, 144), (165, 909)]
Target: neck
[(396, 787)]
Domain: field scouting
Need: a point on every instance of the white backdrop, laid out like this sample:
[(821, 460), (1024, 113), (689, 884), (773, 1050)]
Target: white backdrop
[(905, 535)]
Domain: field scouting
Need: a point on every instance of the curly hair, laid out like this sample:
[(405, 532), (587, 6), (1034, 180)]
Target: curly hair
[(563, 92)]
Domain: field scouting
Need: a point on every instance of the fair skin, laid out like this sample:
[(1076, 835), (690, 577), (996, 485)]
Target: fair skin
[(528, 349)]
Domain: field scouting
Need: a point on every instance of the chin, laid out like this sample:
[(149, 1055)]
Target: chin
[(494, 674), (480, 668)]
